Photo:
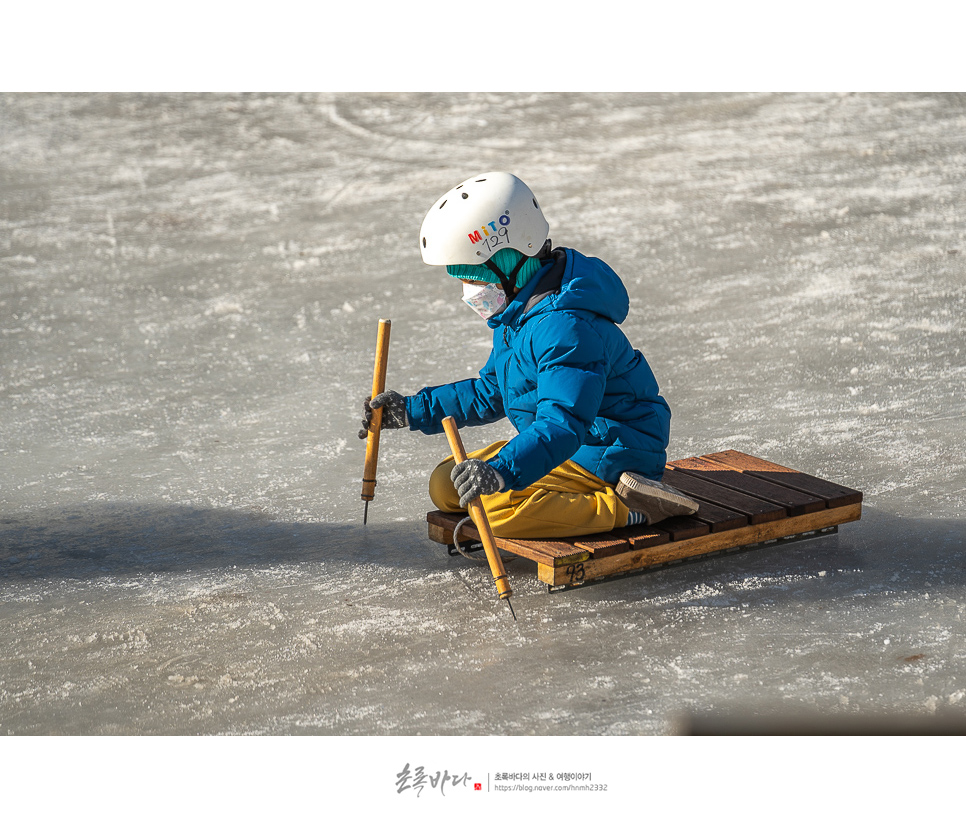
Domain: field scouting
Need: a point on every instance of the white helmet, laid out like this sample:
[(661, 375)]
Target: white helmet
[(481, 215)]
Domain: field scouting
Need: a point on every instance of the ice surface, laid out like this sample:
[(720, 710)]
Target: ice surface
[(189, 292)]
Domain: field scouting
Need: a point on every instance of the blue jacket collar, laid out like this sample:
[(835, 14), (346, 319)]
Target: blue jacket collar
[(521, 302)]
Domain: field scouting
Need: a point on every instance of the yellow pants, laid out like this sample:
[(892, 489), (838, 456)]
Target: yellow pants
[(569, 501)]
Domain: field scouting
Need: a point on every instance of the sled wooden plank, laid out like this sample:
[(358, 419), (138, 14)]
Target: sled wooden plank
[(756, 510), (549, 551), (642, 536), (562, 551), (620, 541), (717, 519), (683, 527), (441, 526), (834, 495), (605, 544), (794, 502), (713, 542)]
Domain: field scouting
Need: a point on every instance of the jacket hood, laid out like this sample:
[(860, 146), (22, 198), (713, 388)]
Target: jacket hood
[(585, 284)]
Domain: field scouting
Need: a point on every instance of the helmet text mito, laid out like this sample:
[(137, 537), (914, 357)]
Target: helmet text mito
[(469, 223)]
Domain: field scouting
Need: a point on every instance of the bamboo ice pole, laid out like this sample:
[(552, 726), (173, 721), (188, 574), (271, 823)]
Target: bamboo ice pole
[(478, 514), (375, 424)]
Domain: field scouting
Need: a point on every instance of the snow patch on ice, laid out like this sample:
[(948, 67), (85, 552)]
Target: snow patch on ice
[(225, 306)]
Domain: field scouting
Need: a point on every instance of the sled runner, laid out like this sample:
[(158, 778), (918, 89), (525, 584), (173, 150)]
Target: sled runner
[(744, 501)]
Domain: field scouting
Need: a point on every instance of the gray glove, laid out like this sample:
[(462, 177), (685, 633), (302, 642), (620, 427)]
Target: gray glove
[(393, 407), (473, 478)]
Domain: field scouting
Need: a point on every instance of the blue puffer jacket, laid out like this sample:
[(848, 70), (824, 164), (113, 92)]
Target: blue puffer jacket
[(565, 375)]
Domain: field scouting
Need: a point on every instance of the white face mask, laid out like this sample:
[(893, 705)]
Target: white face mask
[(485, 299)]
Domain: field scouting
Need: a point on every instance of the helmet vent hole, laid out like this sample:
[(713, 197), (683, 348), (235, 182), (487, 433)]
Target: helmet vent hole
[(465, 196), (424, 243), (535, 203), (482, 180), (443, 203)]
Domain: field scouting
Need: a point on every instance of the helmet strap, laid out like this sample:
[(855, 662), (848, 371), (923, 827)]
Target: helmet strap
[(508, 282)]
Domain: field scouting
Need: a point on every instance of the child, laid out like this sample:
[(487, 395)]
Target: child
[(592, 427)]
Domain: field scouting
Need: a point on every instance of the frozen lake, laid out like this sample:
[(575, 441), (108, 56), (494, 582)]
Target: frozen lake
[(189, 292)]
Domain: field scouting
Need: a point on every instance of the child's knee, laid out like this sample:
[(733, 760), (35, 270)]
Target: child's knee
[(441, 490)]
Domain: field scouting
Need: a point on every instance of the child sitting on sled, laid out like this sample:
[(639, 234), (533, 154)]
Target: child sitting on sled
[(592, 428)]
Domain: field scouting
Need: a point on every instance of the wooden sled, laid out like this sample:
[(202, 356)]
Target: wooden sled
[(744, 501)]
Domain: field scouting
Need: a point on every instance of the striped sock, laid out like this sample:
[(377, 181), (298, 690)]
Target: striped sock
[(634, 517)]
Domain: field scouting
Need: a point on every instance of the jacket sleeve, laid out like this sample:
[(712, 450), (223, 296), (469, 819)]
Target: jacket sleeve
[(471, 402), (571, 373)]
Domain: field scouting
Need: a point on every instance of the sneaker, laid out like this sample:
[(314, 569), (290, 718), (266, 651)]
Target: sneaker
[(655, 500)]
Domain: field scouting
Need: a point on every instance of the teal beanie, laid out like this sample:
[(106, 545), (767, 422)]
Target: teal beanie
[(505, 260)]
